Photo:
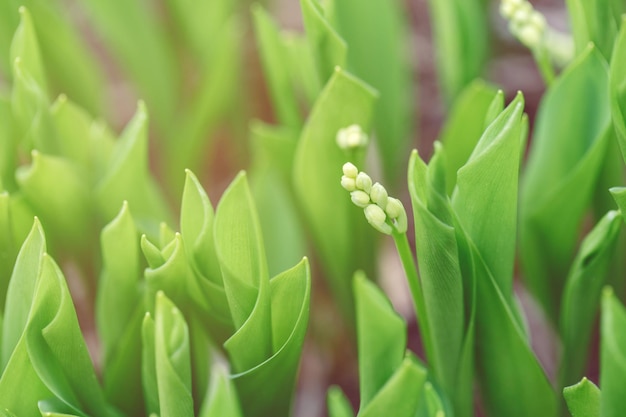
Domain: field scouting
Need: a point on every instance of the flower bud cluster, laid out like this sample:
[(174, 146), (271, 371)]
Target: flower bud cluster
[(352, 137), (384, 213), (525, 23)]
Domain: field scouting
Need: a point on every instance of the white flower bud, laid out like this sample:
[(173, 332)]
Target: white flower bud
[(394, 208), (379, 195), (364, 182), (350, 171), (360, 198), (351, 137), (401, 222), (377, 218), (529, 36), (349, 184)]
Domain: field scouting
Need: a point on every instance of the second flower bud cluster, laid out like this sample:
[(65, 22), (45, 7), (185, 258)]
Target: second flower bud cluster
[(384, 213)]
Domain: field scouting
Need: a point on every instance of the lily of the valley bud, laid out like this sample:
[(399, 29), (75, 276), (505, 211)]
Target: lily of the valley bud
[(379, 195), (377, 218), (525, 23), (360, 198), (349, 184), (350, 171), (364, 182), (384, 213), (351, 137)]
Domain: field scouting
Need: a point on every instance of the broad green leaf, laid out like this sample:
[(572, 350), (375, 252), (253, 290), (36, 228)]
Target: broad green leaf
[(381, 336), (8, 249), (56, 347), (303, 69), (132, 32), (25, 47), (201, 25), (328, 48), (565, 160), (402, 393), (342, 237), (240, 250), (58, 192), (222, 400), (439, 266), (612, 355), (461, 42), (213, 100), (148, 365), (617, 87), (8, 146), (581, 295), (338, 404), (486, 196), (583, 399), (172, 360), (119, 313), (32, 123), (433, 401), (513, 382), (594, 21), (273, 53), (127, 178), (9, 21), (21, 290), (290, 301), (206, 286), (272, 164), (465, 125), (81, 139), (377, 36)]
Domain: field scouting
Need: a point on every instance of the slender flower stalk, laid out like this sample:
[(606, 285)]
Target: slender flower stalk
[(387, 215), (529, 26)]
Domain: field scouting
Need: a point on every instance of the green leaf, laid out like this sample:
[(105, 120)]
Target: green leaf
[(328, 48), (338, 404), (25, 47), (172, 360), (206, 287), (433, 402), (593, 21), (486, 198), (119, 313), (221, 400), (273, 52), (617, 87), (581, 296), (583, 399), (8, 146), (56, 190), (560, 177), (377, 38), (240, 250), (465, 125), (56, 347), (612, 355), (381, 338), (21, 289), (140, 45), (127, 178), (8, 249), (513, 382), (213, 100), (401, 394), (290, 301), (461, 42), (440, 269), (342, 237), (273, 150)]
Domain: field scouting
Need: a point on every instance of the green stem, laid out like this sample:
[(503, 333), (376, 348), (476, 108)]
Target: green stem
[(410, 269), (542, 58)]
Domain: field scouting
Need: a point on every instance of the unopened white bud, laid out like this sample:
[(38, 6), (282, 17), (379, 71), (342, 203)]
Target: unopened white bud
[(349, 170), (364, 182), (379, 195), (377, 218), (529, 36), (394, 208), (351, 137), (401, 223), (349, 184), (360, 198)]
